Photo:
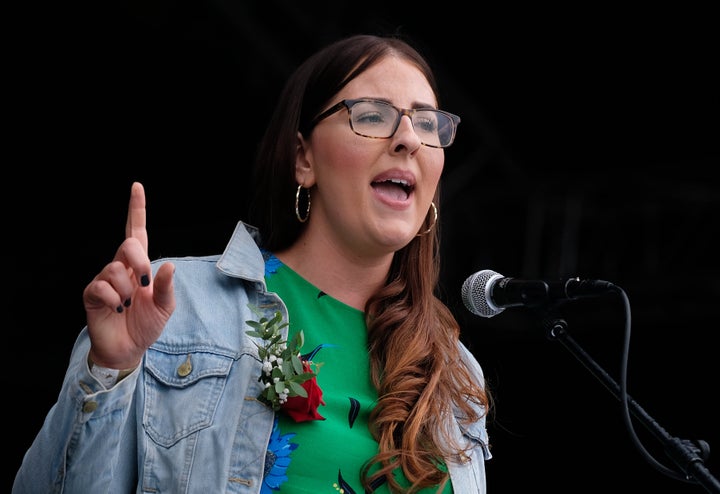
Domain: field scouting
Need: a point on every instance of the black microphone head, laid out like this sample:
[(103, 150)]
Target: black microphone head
[(476, 293)]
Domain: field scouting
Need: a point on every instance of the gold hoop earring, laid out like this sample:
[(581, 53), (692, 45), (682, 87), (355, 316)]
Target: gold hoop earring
[(435, 217), (297, 205)]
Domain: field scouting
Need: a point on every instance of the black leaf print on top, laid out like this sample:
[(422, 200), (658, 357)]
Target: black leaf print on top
[(376, 483), (321, 294), (311, 354), (343, 486), (354, 411)]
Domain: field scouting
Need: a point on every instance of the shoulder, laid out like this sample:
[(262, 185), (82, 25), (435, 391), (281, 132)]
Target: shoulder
[(470, 361)]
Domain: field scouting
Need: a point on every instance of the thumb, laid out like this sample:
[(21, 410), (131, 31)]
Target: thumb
[(163, 289)]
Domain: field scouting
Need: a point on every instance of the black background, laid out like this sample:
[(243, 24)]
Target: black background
[(588, 147)]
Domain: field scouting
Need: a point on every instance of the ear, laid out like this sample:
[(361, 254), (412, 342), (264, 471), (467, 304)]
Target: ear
[(304, 172)]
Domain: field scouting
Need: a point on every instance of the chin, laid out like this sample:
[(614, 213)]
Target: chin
[(398, 239)]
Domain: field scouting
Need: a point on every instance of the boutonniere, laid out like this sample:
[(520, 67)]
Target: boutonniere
[(289, 381)]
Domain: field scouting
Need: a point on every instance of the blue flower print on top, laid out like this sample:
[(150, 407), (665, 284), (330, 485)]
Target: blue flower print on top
[(272, 263), (277, 460)]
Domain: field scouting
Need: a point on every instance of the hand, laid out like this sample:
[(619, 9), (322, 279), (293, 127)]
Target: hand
[(126, 308)]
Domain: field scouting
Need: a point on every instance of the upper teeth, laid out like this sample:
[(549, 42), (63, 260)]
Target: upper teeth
[(398, 181)]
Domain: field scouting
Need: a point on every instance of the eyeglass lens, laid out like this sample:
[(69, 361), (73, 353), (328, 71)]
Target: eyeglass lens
[(380, 119)]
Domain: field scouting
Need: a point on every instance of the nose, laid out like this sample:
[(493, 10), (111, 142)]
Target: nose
[(405, 134)]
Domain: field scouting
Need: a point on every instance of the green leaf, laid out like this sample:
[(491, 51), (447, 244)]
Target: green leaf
[(297, 364), (299, 339), (296, 389), (256, 325), (270, 393), (301, 378)]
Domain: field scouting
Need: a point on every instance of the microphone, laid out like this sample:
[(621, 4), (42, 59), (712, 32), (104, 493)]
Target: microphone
[(487, 293)]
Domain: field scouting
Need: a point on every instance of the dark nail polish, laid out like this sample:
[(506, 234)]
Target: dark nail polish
[(127, 302), (119, 309), (144, 280)]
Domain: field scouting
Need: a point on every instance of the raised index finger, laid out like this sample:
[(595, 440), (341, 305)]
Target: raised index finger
[(135, 226)]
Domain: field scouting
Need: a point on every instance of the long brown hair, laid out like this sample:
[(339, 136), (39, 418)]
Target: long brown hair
[(413, 338)]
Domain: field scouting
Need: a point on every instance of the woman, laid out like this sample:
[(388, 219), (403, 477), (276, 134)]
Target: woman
[(313, 354)]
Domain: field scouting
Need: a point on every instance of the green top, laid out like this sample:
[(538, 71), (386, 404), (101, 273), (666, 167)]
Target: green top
[(321, 456)]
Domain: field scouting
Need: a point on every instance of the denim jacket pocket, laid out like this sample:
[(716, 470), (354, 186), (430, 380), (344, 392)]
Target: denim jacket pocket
[(182, 391)]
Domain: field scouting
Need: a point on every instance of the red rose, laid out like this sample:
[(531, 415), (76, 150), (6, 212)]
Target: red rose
[(302, 409)]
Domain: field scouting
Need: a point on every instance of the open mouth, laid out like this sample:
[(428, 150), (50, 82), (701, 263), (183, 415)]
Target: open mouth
[(394, 188)]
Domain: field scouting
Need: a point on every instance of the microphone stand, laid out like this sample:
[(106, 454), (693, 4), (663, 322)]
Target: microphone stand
[(685, 454)]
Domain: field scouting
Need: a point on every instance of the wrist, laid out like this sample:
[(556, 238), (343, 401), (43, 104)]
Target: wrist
[(109, 377)]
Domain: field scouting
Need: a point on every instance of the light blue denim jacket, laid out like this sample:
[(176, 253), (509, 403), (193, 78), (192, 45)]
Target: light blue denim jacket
[(186, 420)]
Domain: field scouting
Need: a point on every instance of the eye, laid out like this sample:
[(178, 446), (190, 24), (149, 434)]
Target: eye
[(369, 117), (425, 122), (373, 116)]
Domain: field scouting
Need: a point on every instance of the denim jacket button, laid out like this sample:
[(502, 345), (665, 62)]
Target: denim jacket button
[(185, 368)]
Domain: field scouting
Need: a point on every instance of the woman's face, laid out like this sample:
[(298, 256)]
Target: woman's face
[(357, 201)]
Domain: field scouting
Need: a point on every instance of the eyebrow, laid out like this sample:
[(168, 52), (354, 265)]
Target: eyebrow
[(416, 105)]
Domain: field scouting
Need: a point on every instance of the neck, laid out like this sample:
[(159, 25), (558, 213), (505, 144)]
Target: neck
[(343, 275)]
